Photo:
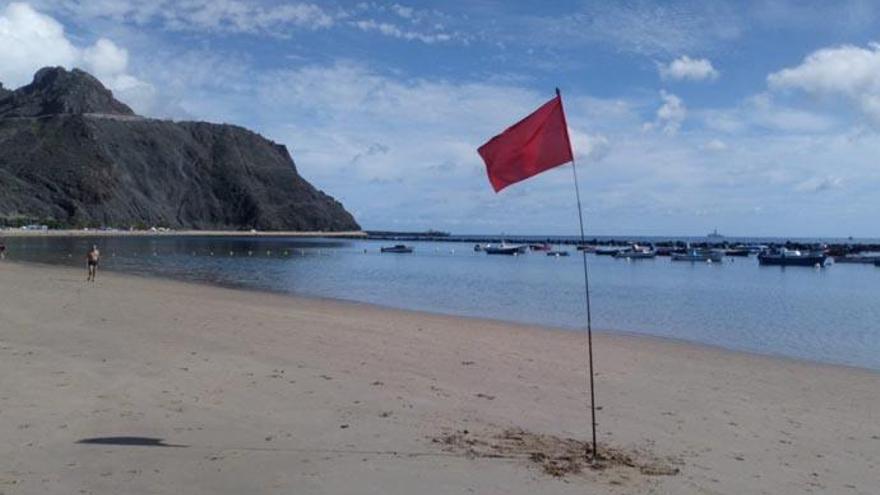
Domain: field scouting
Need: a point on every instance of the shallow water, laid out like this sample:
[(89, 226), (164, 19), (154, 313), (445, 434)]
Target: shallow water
[(829, 315)]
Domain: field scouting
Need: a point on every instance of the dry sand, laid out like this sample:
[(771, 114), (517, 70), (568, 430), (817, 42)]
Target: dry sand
[(261, 393)]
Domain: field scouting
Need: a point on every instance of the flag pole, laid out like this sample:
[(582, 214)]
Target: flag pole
[(577, 193)]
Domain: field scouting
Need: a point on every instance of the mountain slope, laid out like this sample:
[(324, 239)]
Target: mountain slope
[(72, 155)]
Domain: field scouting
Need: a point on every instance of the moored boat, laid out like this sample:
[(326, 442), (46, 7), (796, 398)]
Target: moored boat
[(607, 251), (737, 251), (667, 250), (397, 248), (507, 249), (557, 253), (636, 252), (792, 257), (858, 258), (710, 255), (541, 247), (586, 248)]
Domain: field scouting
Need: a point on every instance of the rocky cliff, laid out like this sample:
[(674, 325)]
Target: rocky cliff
[(72, 155)]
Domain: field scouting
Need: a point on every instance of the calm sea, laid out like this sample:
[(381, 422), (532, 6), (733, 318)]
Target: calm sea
[(830, 314)]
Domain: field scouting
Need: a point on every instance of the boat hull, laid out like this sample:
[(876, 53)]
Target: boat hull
[(857, 259), (397, 249), (737, 252), (606, 252), (506, 250), (636, 256), (811, 260)]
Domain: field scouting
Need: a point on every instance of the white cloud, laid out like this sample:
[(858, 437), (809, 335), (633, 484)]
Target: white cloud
[(846, 71), (647, 28), (590, 147), (32, 40), (395, 31), (104, 58), (715, 145), (761, 112), (403, 11), (203, 15), (819, 184), (684, 67), (670, 115)]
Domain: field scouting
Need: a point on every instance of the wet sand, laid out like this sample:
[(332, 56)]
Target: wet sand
[(135, 385)]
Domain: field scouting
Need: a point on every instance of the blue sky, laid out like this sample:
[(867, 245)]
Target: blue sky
[(758, 118)]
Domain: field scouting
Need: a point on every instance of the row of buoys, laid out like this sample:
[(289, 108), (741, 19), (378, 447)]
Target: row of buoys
[(252, 253)]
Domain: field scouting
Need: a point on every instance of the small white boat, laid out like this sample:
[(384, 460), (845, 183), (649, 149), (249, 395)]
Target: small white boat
[(713, 255), (397, 248), (504, 248), (636, 252)]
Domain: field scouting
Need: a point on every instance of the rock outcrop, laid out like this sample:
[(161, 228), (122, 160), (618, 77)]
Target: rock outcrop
[(72, 155)]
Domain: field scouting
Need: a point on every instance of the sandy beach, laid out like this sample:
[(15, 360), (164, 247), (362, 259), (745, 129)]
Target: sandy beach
[(136, 385)]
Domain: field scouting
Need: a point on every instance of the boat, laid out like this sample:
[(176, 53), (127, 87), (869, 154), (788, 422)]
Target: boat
[(397, 248), (667, 250), (757, 248), (714, 235), (541, 247), (792, 257), (737, 251), (710, 255), (858, 258), (586, 248), (557, 253), (636, 252), (477, 248), (607, 251), (508, 249)]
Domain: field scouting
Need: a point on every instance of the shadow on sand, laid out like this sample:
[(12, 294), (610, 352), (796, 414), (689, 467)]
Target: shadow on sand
[(129, 441)]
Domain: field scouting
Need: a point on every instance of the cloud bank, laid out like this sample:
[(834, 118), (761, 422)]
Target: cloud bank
[(32, 40)]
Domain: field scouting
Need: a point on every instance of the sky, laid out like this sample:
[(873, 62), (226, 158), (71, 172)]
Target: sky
[(758, 118)]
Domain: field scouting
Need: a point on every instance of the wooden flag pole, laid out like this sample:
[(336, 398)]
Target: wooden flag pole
[(577, 193)]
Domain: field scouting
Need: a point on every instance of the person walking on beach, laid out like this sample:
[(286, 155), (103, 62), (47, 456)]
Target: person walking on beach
[(92, 262)]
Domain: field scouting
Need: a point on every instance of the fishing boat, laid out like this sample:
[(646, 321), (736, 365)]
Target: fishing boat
[(397, 248), (636, 252), (858, 258), (607, 251), (737, 251), (792, 257), (508, 249), (667, 250), (709, 255)]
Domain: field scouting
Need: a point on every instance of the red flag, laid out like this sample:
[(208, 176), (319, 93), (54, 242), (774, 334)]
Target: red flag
[(536, 143)]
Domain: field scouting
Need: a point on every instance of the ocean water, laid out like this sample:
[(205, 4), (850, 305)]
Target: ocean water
[(829, 315)]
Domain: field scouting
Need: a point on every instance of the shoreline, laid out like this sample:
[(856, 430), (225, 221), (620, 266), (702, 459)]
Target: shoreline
[(522, 325), (267, 392), (176, 233)]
